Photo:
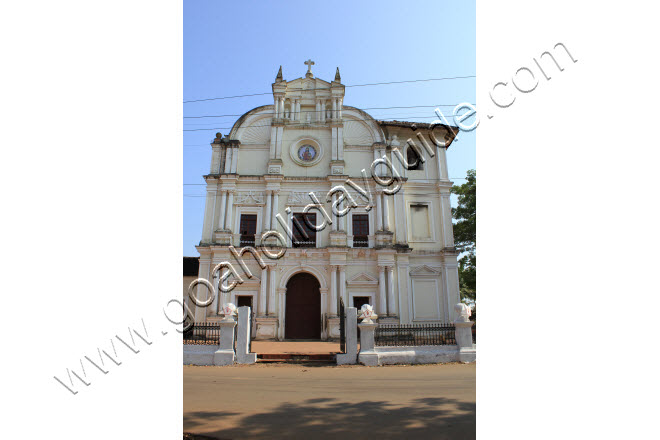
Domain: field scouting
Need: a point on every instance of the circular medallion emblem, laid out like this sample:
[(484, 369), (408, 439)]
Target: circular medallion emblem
[(307, 153)]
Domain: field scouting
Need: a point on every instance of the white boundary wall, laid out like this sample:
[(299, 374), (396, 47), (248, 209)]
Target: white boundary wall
[(425, 354), (199, 354)]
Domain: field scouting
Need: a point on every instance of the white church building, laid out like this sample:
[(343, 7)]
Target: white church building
[(392, 249)]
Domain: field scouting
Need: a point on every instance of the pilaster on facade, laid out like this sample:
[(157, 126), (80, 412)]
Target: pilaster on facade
[(209, 209), (216, 154), (384, 239), (201, 292)]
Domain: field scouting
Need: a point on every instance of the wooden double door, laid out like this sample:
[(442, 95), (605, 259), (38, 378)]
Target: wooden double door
[(303, 308)]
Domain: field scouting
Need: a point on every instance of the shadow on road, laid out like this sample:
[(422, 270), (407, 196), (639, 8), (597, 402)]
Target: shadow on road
[(325, 418)]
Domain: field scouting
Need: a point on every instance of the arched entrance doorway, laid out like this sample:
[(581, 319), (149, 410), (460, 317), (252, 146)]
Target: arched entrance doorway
[(303, 308)]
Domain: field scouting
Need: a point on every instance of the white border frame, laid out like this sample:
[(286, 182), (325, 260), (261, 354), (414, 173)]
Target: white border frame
[(293, 150), (431, 216), (433, 278), (361, 291), (245, 209), (372, 229), (299, 210)]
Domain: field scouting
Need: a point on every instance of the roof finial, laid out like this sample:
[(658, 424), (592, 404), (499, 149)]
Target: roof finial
[(309, 63), (278, 78), (337, 76)]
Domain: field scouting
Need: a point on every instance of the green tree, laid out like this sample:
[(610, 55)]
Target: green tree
[(465, 234)]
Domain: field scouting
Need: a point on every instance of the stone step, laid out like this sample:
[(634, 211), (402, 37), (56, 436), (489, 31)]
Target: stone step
[(296, 357)]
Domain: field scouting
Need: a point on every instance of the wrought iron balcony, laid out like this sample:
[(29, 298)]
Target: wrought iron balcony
[(360, 241), (247, 240), (303, 244)]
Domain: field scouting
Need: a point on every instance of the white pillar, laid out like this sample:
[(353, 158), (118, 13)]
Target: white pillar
[(230, 209), (333, 290), (221, 297), (201, 291), (340, 105), (334, 108), (368, 355), (382, 303), (280, 313), (297, 109), (243, 355), (267, 214), (209, 214), (234, 160), (318, 111), (379, 210), (275, 207), (228, 160), (281, 112), (276, 107), (342, 283), (223, 202), (390, 291), (263, 294), (386, 212), (447, 225), (335, 219), (322, 110), (271, 294), (342, 220)]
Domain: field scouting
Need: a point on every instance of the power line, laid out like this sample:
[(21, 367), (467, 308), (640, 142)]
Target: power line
[(377, 117), (327, 88), (316, 111), (269, 124), (300, 123)]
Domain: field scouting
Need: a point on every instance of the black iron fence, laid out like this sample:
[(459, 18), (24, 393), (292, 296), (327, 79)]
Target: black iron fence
[(394, 335), (203, 333)]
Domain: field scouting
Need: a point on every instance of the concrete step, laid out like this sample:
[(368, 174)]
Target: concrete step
[(296, 357)]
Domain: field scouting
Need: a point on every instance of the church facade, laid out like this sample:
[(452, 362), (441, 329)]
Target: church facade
[(388, 241)]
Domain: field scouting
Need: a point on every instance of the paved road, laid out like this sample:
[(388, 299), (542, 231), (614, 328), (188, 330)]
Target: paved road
[(276, 401)]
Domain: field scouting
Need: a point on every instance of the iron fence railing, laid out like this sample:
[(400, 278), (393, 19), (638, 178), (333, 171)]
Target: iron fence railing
[(394, 335), (203, 333)]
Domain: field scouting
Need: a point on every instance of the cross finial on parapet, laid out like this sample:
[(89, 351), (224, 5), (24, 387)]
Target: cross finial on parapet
[(309, 63)]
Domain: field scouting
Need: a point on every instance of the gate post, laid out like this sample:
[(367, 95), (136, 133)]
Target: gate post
[(463, 328), (243, 355), (225, 354), (350, 357), (368, 355)]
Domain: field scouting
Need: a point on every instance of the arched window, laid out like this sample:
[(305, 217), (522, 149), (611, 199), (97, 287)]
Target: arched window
[(413, 159)]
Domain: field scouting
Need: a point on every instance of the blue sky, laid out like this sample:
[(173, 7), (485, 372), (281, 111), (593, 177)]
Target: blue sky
[(236, 48)]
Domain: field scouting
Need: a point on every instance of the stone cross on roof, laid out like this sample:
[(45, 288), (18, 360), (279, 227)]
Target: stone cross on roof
[(309, 63)]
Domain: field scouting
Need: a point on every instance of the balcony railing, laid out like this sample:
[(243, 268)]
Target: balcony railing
[(303, 244), (360, 241), (247, 240)]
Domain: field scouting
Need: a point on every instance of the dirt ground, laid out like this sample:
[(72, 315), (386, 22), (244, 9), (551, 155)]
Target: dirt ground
[(277, 401)]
